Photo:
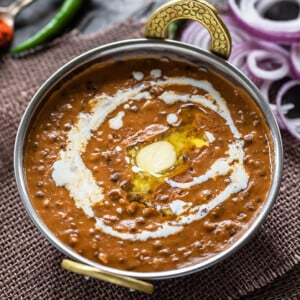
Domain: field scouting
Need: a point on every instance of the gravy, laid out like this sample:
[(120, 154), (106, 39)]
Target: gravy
[(148, 164)]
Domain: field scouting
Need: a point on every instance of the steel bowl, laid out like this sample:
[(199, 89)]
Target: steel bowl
[(148, 48)]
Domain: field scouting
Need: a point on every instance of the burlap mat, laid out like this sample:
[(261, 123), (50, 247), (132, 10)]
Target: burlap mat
[(266, 268)]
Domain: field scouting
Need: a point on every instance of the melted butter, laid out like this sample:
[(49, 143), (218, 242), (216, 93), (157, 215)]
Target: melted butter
[(184, 138), (156, 157)]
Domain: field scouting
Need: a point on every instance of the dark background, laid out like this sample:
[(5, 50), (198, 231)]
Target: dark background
[(95, 15)]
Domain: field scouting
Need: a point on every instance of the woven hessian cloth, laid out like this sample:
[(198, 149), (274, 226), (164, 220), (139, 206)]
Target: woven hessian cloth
[(265, 268)]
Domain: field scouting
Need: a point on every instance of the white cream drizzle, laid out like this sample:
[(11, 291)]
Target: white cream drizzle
[(219, 106), (220, 167), (117, 122), (172, 119), (138, 76), (69, 170), (155, 73), (178, 206), (210, 136)]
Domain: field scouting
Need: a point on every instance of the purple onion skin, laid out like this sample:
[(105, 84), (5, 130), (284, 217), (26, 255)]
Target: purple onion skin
[(295, 72), (286, 87), (253, 44), (277, 37)]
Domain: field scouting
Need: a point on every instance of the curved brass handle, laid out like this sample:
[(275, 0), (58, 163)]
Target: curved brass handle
[(198, 10), (125, 281)]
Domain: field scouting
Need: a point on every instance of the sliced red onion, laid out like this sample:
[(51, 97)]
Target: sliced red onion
[(249, 18), (254, 9), (277, 116), (196, 34), (291, 124), (274, 48), (239, 54), (273, 74), (203, 39), (244, 56), (280, 122), (265, 89), (262, 61), (188, 33), (263, 6), (295, 60)]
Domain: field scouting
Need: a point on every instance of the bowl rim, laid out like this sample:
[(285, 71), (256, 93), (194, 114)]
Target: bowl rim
[(69, 67)]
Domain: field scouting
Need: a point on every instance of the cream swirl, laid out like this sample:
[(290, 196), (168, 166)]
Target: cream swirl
[(70, 171)]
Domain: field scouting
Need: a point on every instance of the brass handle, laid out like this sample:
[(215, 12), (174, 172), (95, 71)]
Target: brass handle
[(198, 10), (125, 281)]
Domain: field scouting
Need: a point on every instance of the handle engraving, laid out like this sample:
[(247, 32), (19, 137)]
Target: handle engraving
[(198, 10)]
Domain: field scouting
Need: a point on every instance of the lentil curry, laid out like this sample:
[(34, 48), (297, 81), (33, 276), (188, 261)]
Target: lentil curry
[(148, 164)]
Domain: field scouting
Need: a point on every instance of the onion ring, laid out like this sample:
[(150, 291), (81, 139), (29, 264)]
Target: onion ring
[(247, 55), (196, 34), (274, 74), (295, 60), (246, 14), (292, 125)]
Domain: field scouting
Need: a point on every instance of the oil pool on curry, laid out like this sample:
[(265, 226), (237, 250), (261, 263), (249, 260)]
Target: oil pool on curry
[(148, 164)]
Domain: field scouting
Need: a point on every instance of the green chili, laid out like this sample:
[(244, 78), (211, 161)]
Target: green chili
[(173, 28), (57, 24)]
